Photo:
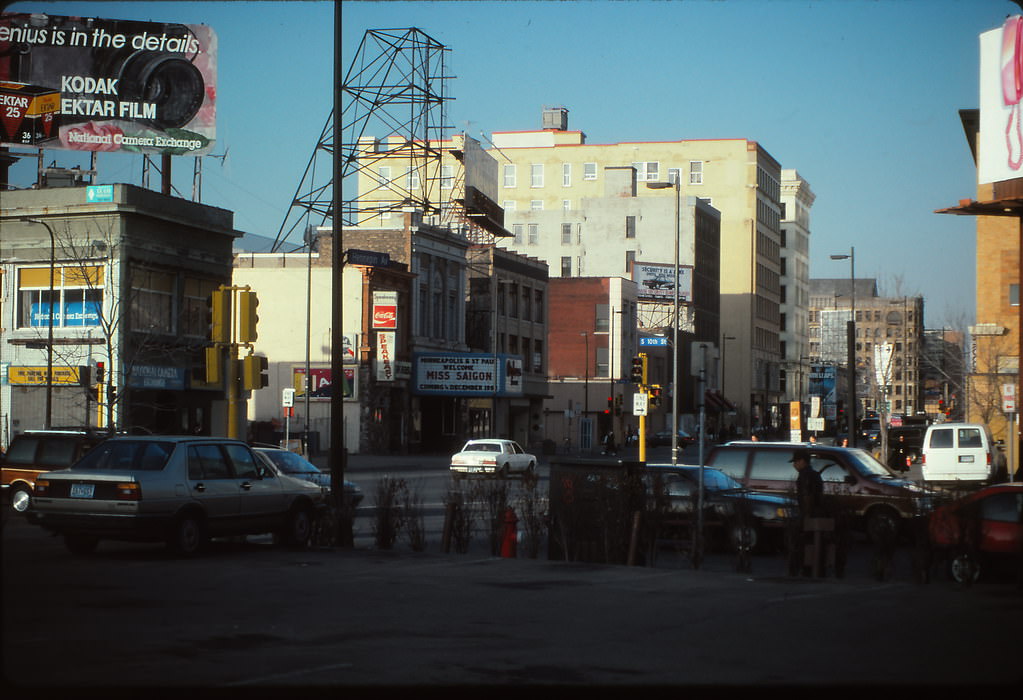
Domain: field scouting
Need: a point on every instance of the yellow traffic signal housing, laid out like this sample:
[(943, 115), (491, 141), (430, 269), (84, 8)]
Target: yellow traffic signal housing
[(214, 365), (247, 318), (639, 369), (254, 369), (220, 316)]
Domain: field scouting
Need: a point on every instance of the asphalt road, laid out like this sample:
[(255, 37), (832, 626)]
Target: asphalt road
[(250, 615)]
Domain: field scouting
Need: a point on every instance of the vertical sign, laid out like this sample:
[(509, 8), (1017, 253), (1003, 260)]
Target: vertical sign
[(385, 356), (385, 311)]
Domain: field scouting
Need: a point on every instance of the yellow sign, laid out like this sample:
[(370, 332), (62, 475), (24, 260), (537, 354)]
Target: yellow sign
[(37, 375)]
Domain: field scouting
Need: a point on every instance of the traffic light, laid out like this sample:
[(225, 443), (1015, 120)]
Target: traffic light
[(214, 365), (219, 306), (618, 405), (247, 318), (610, 405), (655, 395), (100, 375), (254, 369), (639, 369)]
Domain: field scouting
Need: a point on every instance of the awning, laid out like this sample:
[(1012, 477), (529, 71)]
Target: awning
[(715, 401), (1006, 206)]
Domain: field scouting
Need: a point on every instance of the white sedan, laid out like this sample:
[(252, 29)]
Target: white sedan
[(492, 457)]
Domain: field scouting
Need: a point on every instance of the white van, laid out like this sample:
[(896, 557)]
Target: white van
[(957, 452)]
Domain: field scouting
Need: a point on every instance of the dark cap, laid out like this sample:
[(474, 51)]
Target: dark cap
[(801, 454)]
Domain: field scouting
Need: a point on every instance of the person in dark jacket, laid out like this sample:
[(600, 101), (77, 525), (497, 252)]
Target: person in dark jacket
[(809, 486)]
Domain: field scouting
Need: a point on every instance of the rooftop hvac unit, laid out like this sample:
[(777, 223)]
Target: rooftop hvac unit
[(555, 118)]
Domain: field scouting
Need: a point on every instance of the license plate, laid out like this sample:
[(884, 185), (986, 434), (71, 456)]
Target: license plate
[(474, 470), (965, 459), (82, 490)]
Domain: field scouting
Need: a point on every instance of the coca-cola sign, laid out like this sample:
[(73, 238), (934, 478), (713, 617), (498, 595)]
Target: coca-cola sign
[(385, 311)]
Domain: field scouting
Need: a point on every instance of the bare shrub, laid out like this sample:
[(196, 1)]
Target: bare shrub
[(533, 512), (413, 516)]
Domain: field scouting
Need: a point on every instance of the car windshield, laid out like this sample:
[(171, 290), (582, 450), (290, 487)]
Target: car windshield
[(865, 463), (127, 455), (290, 463), (713, 480), (482, 447)]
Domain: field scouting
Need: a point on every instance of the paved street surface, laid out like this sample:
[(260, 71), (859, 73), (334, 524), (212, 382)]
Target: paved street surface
[(248, 615)]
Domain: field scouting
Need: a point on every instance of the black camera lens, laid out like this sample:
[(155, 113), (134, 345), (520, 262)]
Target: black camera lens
[(168, 81)]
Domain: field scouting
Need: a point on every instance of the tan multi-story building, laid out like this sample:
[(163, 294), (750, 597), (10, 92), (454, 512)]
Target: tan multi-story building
[(796, 200), (548, 178), (889, 342)]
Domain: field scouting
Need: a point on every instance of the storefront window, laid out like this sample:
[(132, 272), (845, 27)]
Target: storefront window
[(76, 297)]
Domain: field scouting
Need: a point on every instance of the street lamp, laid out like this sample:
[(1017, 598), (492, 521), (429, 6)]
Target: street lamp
[(677, 184), (851, 342), (49, 331)]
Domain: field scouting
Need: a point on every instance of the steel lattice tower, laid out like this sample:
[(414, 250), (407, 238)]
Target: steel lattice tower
[(394, 87)]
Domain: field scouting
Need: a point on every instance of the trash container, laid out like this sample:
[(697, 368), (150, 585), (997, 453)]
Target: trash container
[(592, 504)]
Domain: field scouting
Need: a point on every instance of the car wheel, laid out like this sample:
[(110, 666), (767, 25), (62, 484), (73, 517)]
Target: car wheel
[(81, 544), (882, 525), (299, 528), (744, 538), (964, 568), (21, 499), (188, 536), (505, 472)]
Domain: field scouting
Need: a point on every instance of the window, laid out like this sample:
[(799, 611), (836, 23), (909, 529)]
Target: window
[(207, 462), (566, 204), (536, 204), (566, 174), (412, 179), (538, 311), (536, 175), (696, 172), (941, 438), (76, 300), (152, 301), (589, 171), (513, 300), (566, 234), (538, 356), (600, 319), (193, 312), (534, 234), (674, 175), (508, 205), (1013, 295), (647, 170), (630, 226), (243, 461), (385, 175), (630, 257), (517, 233), (509, 176), (447, 177), (527, 306), (773, 465), (566, 266)]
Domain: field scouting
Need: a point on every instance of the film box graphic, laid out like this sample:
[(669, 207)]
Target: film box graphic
[(29, 114)]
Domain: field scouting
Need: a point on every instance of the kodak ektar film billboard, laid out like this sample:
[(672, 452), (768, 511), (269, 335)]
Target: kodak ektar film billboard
[(87, 84)]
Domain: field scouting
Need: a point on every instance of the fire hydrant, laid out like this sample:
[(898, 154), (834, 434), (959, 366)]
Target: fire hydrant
[(509, 542)]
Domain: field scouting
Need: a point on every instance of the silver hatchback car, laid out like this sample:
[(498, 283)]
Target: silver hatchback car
[(180, 490)]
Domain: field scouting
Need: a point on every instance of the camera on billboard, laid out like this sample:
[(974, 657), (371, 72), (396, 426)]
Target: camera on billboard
[(117, 69)]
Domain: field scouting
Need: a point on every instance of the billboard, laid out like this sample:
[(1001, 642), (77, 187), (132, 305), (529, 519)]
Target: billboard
[(87, 84), (1000, 143), (653, 281), (460, 374)]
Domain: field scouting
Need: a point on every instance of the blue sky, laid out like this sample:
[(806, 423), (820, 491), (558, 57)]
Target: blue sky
[(860, 96)]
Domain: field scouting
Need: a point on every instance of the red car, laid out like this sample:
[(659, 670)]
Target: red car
[(991, 520)]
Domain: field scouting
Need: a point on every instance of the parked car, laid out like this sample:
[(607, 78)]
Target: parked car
[(297, 466), (35, 452), (492, 457), (724, 501), (958, 452), (181, 490), (663, 437), (853, 480), (989, 522)]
